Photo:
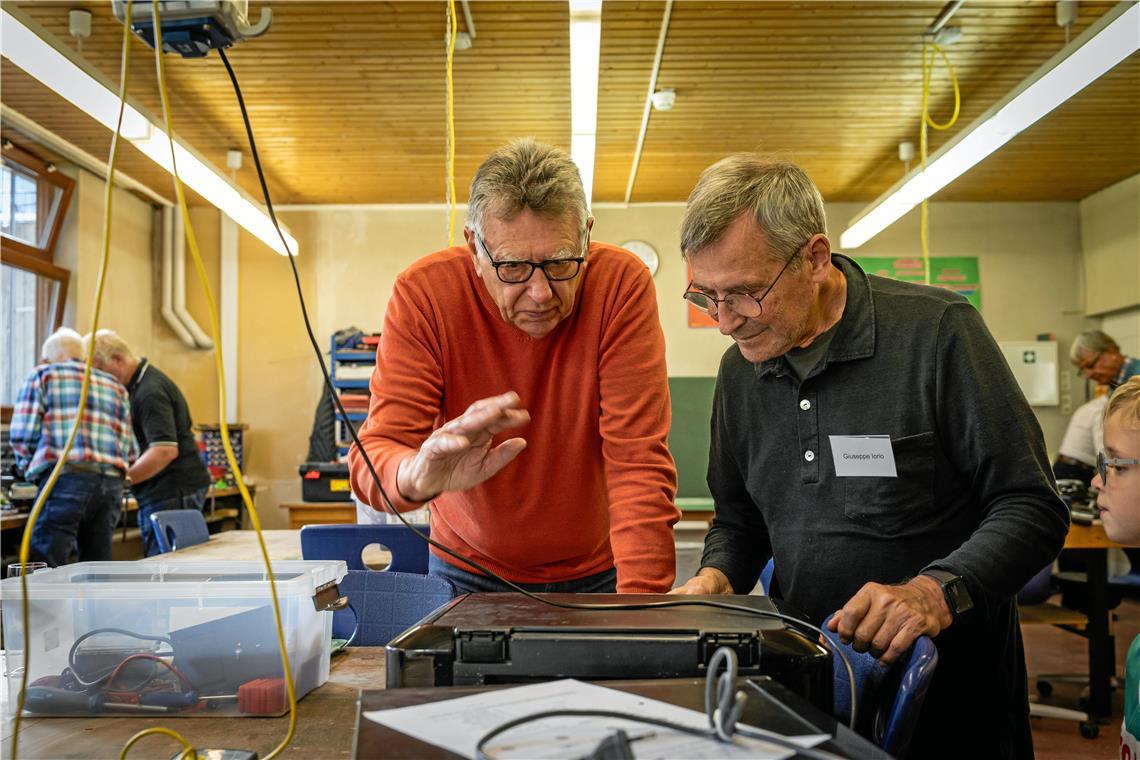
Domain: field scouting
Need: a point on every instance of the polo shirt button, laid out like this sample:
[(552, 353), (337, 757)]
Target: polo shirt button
[(805, 404), (809, 455)]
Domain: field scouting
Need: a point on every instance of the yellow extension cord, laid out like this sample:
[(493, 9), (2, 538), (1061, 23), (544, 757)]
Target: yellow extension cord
[(45, 492), (929, 50), (453, 26), (215, 331)]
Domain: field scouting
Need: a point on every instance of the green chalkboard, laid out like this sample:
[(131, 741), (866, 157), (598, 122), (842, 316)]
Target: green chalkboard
[(689, 434)]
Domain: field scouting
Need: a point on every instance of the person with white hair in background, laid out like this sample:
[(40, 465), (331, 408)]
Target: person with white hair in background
[(1098, 358), (83, 507), (169, 474)]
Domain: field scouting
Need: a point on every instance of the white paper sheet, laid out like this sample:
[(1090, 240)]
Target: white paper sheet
[(458, 724)]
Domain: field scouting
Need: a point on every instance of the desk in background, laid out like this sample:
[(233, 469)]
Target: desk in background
[(1090, 543), (302, 513), (223, 511)]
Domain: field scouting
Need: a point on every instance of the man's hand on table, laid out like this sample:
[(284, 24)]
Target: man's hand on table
[(886, 620), (458, 455), (708, 581)]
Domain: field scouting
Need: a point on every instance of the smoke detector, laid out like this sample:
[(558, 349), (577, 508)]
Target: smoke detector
[(664, 99)]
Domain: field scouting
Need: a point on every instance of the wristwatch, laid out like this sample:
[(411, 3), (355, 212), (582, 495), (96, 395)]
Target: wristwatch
[(954, 589)]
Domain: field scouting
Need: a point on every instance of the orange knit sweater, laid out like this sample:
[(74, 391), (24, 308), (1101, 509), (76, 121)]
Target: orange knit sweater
[(595, 485)]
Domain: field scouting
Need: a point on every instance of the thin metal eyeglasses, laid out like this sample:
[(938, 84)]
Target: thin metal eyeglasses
[(1087, 366), (1103, 463), (744, 304), (515, 272)]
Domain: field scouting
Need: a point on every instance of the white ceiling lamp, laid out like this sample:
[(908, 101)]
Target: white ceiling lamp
[(1107, 42), (585, 48), (34, 50)]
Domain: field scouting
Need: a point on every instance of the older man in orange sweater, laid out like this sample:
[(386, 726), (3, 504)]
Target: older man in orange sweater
[(528, 328)]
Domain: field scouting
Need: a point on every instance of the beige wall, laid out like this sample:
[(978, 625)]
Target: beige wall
[(1110, 237), (1029, 256)]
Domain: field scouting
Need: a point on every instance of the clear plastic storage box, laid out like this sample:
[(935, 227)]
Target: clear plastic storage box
[(162, 637)]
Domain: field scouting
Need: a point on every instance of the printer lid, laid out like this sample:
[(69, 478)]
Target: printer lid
[(517, 612)]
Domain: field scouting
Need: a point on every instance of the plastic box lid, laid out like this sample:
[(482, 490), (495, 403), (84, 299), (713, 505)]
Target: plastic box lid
[(175, 579)]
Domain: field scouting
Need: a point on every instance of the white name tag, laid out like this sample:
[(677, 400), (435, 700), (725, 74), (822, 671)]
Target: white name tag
[(863, 456)]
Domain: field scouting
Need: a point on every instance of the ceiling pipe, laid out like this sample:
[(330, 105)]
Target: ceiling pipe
[(164, 223), (649, 100), (201, 339), (944, 16), (468, 19)]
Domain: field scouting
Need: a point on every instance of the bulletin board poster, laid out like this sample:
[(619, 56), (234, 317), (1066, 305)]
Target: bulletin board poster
[(957, 273)]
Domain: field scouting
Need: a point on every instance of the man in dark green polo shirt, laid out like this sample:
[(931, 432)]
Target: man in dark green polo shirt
[(868, 435), (169, 474)]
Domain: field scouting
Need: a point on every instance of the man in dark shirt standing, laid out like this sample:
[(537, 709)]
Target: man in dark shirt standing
[(868, 435), (169, 474)]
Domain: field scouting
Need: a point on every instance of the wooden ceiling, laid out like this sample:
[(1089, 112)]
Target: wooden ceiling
[(348, 98)]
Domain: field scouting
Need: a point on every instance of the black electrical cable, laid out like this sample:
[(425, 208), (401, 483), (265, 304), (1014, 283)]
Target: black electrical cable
[(723, 714), (96, 631), (376, 477)]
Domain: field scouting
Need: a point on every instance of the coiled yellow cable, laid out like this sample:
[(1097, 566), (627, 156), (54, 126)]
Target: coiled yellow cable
[(45, 492), (929, 50), (192, 244), (453, 27)]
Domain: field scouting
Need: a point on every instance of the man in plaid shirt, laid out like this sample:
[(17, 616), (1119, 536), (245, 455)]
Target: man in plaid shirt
[(84, 505)]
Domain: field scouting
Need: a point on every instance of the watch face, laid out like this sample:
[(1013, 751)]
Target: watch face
[(643, 251)]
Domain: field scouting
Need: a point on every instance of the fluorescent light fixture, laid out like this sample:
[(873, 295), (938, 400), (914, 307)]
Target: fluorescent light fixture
[(585, 48), (1107, 42), (28, 46)]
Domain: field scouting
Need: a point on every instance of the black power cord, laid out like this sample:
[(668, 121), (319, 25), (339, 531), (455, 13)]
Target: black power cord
[(376, 477), (723, 716)]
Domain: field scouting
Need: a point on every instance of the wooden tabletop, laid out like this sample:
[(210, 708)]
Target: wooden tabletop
[(326, 723), (1088, 537), (281, 545)]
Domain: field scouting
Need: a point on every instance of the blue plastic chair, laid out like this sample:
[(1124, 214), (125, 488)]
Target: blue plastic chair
[(409, 551), (890, 698), (178, 529), (766, 576), (383, 603)]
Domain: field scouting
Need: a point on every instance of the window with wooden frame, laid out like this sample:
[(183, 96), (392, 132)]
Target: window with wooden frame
[(33, 202)]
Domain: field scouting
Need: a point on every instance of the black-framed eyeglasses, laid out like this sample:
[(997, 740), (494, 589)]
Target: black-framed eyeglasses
[(744, 304), (1087, 366), (1103, 463), (515, 272)]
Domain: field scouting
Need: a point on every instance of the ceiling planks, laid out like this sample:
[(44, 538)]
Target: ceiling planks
[(347, 99)]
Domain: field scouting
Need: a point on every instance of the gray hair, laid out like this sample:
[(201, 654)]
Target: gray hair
[(526, 174), (61, 345), (1091, 342), (107, 345), (780, 197)]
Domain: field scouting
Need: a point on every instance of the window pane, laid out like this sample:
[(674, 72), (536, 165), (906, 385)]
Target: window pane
[(28, 302), (27, 206)]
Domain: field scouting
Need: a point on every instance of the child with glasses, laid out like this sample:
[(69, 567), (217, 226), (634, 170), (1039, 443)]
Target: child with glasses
[(1117, 484)]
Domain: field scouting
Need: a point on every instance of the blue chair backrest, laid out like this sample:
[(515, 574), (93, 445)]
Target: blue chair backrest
[(766, 576), (890, 698), (179, 528), (384, 604), (1039, 588), (409, 551)]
